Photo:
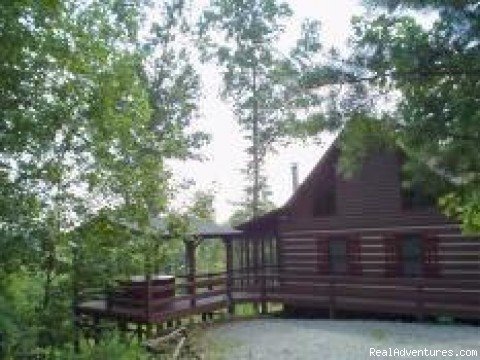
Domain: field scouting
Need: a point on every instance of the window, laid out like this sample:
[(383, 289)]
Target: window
[(338, 255), (326, 203), (414, 196), (412, 255), (392, 246)]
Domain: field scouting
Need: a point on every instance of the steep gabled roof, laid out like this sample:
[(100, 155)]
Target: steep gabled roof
[(316, 171), (270, 216)]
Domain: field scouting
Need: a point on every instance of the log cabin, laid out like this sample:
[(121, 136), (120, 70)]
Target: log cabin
[(358, 245), (362, 244)]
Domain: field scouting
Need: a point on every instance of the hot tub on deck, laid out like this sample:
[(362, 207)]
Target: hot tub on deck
[(139, 292)]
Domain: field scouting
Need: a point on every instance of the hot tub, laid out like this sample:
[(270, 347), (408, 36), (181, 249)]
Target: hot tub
[(161, 287)]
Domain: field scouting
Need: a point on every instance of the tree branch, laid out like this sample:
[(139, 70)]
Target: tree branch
[(353, 79)]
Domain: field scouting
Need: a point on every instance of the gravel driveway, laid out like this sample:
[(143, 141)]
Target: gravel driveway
[(279, 339)]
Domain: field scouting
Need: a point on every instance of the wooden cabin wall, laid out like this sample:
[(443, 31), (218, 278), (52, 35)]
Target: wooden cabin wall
[(458, 256), (369, 206), (370, 286), (369, 212), (371, 198), (303, 206), (374, 190)]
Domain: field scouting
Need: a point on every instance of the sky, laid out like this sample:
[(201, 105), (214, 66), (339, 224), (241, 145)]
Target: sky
[(225, 155)]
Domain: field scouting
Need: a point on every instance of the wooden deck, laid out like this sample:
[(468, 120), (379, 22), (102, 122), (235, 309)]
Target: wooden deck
[(420, 297), (178, 308)]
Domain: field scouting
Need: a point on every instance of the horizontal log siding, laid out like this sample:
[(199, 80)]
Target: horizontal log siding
[(458, 256), (374, 190), (369, 205), (371, 198), (418, 297), (421, 219)]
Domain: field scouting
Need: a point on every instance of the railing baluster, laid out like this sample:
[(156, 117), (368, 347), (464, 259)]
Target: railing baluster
[(331, 287), (420, 302), (147, 297)]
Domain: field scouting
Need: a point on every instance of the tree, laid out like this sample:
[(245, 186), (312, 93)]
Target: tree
[(255, 74), (202, 206), (210, 252), (421, 83), (88, 113)]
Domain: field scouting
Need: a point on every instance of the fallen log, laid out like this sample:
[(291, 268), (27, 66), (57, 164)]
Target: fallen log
[(156, 343), (178, 348)]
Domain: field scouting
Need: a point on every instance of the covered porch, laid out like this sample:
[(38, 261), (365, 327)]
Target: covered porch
[(165, 299)]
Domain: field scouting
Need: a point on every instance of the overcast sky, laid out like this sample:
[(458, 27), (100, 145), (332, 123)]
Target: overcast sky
[(226, 152)]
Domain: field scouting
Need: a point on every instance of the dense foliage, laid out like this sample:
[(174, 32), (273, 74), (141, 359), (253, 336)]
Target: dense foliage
[(420, 84), (94, 98)]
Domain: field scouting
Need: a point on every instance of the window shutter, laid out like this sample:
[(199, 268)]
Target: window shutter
[(431, 266), (393, 255), (354, 255), (323, 255)]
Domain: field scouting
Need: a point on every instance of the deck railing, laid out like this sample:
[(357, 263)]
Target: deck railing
[(419, 297), (151, 298), (413, 296)]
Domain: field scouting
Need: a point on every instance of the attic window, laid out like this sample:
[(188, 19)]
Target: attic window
[(326, 203), (416, 197)]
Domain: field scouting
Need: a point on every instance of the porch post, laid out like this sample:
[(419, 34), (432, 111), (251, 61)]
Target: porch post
[(256, 281), (191, 267), (263, 274), (229, 254)]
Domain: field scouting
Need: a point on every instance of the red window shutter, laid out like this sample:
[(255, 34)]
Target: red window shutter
[(431, 266), (393, 255), (354, 255), (323, 255)]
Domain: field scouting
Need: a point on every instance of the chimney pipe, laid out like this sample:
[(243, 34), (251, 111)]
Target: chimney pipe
[(294, 176)]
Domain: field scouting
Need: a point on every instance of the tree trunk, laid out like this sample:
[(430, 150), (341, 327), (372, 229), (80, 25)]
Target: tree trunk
[(255, 143)]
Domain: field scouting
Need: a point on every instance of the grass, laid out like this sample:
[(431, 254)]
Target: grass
[(245, 310)]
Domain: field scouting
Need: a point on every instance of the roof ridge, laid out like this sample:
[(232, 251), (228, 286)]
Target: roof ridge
[(312, 173)]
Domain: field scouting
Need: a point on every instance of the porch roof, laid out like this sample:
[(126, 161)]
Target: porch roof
[(197, 228)]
